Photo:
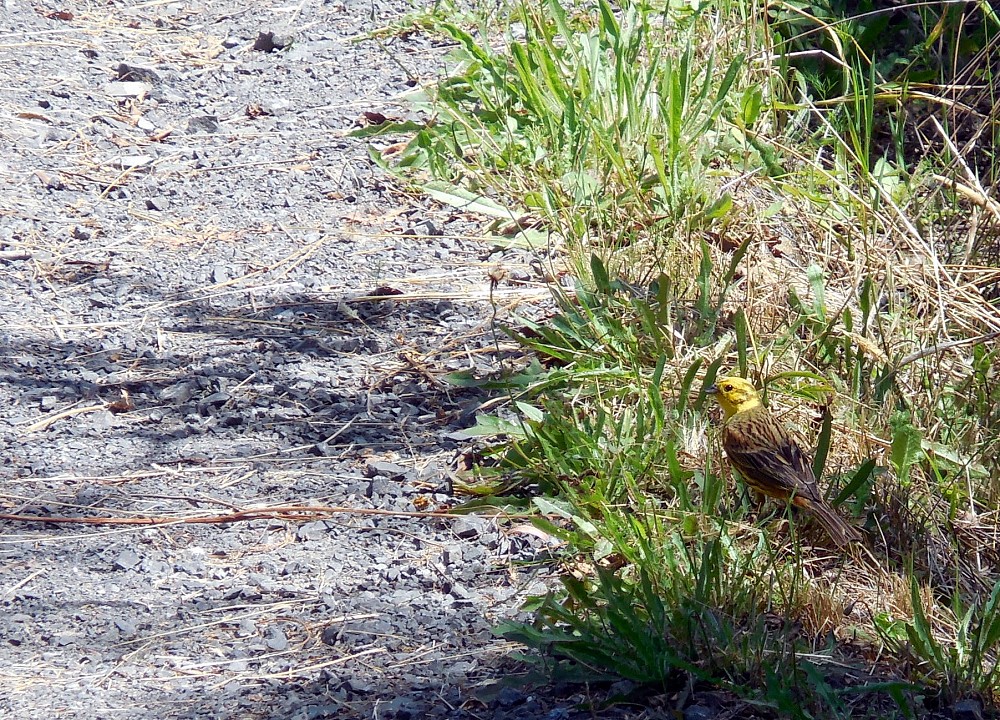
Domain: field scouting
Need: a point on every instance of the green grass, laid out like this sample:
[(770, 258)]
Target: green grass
[(725, 206)]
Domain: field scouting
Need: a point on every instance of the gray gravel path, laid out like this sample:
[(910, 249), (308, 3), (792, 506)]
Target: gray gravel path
[(184, 232)]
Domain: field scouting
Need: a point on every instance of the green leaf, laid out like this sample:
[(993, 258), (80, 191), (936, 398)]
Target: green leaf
[(465, 379), (861, 476), (550, 528), (816, 282), (719, 208), (823, 442), (906, 448), (685, 388), (388, 128), (551, 506), (740, 328), (720, 96), (920, 633), (601, 279), (750, 106), (491, 426), (468, 201), (531, 412)]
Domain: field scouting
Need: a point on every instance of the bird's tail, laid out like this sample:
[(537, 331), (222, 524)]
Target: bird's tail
[(836, 527)]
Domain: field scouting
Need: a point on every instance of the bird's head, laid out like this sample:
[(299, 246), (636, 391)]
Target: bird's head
[(734, 395)]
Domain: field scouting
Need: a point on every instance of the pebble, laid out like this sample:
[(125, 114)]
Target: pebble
[(276, 640), (127, 89), (468, 526), (208, 124), (127, 559)]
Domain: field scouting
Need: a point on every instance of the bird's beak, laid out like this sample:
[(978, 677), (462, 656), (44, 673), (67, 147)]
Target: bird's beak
[(712, 390)]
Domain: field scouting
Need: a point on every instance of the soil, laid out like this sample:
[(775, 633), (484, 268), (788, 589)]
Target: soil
[(187, 237)]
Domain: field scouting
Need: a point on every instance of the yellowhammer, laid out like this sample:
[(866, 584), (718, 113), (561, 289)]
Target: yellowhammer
[(768, 459)]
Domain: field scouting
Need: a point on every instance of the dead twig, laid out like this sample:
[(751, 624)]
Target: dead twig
[(46, 422), (278, 512)]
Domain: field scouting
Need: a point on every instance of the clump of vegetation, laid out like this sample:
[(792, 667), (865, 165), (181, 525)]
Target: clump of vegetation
[(726, 201)]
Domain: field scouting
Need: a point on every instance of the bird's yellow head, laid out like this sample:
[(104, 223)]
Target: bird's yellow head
[(735, 395)]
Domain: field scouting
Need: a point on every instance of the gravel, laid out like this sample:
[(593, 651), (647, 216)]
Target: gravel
[(184, 235)]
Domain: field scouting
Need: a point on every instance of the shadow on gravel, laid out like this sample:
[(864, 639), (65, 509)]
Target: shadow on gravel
[(488, 695), (208, 409), (301, 371), (137, 380)]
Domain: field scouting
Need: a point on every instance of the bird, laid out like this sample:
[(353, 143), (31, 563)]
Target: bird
[(769, 460)]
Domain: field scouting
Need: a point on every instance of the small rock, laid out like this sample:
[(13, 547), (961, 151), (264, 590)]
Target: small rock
[(219, 398), (473, 552), (126, 626), (312, 530), (391, 574), (331, 634), (127, 559), (382, 487), (699, 712), (57, 135), (622, 688), (360, 685), (324, 449), (264, 42), (269, 42), (277, 106), (424, 227), (386, 469), (191, 567), (401, 708), (155, 567), (468, 527), (361, 489), (203, 124), (48, 402), (180, 392), (139, 75), (127, 89), (159, 204), (451, 555), (51, 181), (508, 697), (276, 639), (102, 420)]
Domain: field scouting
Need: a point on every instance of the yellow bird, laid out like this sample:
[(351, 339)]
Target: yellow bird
[(769, 460)]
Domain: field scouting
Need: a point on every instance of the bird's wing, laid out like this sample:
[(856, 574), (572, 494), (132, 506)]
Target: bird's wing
[(768, 458)]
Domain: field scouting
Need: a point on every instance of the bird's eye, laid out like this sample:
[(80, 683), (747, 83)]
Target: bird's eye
[(727, 387)]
